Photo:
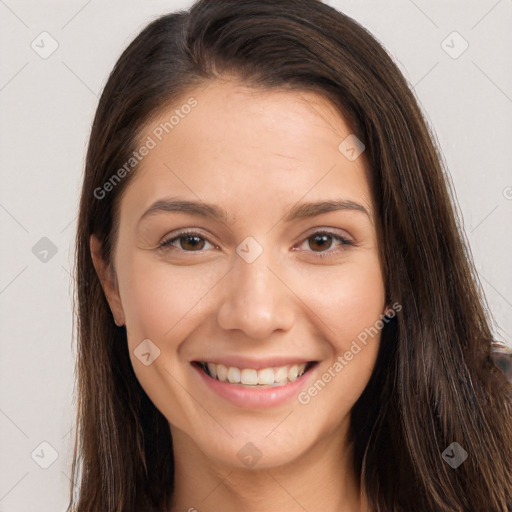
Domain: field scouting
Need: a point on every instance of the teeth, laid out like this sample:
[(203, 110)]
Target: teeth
[(212, 368), (233, 375), (266, 376), (281, 375), (222, 373), (250, 377), (292, 373)]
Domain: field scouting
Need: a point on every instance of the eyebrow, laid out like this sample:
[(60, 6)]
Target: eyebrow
[(312, 209), (208, 210), (183, 206)]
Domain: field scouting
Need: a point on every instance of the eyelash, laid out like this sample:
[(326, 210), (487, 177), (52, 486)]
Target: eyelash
[(167, 243)]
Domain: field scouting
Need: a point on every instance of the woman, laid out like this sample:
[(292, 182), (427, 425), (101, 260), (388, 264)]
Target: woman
[(276, 308)]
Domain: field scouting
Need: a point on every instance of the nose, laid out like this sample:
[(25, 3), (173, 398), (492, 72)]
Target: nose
[(256, 299)]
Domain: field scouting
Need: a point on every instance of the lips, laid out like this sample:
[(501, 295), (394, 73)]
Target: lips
[(270, 376), (255, 384)]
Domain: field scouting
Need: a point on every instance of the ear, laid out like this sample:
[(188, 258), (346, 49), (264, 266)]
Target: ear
[(108, 280)]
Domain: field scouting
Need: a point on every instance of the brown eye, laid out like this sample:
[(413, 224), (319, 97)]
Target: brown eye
[(186, 242), (320, 241), (191, 242)]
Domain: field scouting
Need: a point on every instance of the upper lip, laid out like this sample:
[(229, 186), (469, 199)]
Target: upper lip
[(256, 364)]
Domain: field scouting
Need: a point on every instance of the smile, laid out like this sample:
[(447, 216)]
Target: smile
[(255, 384), (272, 376)]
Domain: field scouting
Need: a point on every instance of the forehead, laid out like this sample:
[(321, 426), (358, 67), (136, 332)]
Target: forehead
[(248, 146)]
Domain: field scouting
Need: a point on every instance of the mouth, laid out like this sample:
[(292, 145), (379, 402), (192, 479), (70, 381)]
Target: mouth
[(270, 377)]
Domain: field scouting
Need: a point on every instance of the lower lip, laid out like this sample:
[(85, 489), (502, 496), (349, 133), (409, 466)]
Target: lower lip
[(255, 398)]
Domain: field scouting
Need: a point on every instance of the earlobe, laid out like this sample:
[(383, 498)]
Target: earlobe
[(108, 280)]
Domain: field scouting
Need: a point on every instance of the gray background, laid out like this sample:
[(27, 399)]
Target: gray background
[(47, 105)]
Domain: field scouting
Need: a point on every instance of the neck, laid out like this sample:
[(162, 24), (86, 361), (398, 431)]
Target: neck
[(322, 478)]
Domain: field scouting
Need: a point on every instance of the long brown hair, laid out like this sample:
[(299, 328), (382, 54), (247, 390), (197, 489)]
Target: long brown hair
[(434, 382)]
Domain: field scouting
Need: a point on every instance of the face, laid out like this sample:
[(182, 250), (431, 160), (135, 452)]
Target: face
[(255, 288)]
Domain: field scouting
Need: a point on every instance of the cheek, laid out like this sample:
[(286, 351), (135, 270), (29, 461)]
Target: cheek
[(348, 299), (163, 303), (350, 302), (363, 303), (160, 300)]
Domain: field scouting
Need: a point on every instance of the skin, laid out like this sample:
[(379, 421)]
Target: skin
[(254, 153)]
